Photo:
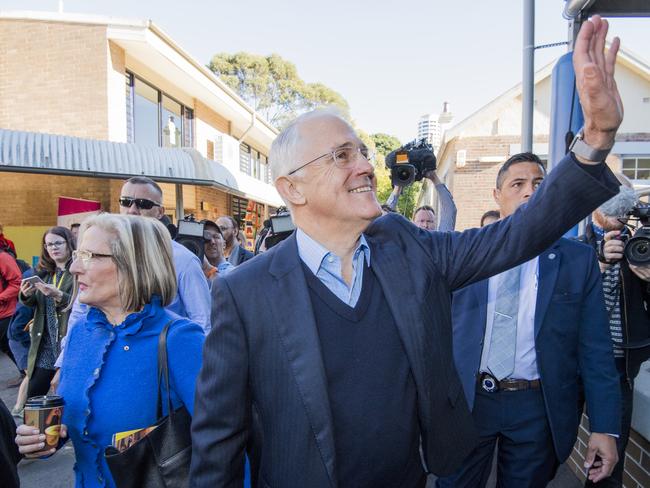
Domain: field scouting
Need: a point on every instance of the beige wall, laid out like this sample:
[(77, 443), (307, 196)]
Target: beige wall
[(207, 123), (116, 92), (47, 83)]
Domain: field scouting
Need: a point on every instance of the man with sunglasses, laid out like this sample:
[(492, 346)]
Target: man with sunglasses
[(330, 357), (142, 196)]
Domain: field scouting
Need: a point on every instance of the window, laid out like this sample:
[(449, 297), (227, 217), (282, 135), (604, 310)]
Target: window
[(172, 120), (637, 167), (245, 158), (154, 118), (253, 163), (145, 114), (495, 127), (238, 206)]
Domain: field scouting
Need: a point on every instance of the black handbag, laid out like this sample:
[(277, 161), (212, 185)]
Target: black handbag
[(161, 459)]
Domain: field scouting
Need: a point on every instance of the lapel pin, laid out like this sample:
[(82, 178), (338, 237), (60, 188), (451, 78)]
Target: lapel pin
[(551, 256)]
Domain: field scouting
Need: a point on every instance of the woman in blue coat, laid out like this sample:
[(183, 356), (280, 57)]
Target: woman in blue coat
[(125, 272)]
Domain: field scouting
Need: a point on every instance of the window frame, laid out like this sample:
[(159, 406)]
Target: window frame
[(186, 118)]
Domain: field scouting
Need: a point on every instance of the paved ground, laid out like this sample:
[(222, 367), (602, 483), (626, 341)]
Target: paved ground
[(56, 472)]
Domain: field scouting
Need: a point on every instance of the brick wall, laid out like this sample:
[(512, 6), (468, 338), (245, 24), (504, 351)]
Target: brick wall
[(637, 458), (30, 199), (472, 184), (53, 78)]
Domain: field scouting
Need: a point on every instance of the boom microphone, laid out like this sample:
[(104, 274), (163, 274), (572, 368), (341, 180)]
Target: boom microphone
[(619, 205)]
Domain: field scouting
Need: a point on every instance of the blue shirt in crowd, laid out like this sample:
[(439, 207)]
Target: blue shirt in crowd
[(109, 380), (193, 297), (326, 266)]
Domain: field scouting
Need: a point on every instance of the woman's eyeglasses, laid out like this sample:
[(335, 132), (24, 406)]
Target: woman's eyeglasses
[(141, 203), (85, 256), (54, 245)]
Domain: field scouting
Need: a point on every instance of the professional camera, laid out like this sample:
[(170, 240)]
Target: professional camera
[(275, 230), (409, 162), (190, 234), (637, 248)]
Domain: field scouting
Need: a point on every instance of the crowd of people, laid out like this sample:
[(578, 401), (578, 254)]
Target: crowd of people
[(363, 350)]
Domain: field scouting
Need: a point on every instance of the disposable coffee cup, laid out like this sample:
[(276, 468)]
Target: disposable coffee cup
[(44, 413)]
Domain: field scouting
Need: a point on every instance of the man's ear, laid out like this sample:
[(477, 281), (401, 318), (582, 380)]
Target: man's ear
[(161, 212), (289, 192), (496, 194)]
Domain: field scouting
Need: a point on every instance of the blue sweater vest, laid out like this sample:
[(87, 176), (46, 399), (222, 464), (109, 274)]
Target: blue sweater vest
[(371, 390)]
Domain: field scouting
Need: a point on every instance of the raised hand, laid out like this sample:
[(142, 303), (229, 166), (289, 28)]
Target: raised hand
[(599, 97)]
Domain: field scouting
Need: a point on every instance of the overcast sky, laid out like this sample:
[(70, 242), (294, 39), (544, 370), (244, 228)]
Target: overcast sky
[(392, 60)]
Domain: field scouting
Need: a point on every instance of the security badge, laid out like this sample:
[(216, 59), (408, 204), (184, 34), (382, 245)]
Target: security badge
[(489, 383)]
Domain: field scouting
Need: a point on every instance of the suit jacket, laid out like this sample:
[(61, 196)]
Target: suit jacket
[(263, 379), (571, 337), (240, 255)]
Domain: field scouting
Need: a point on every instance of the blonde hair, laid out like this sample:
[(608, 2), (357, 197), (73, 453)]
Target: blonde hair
[(142, 252)]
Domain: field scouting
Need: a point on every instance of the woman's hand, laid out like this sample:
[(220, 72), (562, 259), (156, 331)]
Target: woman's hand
[(49, 291), (31, 443), (27, 289)]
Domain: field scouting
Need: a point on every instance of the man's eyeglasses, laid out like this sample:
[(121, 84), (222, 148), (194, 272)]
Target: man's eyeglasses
[(342, 156), (141, 203), (86, 256), (54, 245)]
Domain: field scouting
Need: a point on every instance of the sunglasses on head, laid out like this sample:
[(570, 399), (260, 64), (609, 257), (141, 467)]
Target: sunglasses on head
[(141, 203)]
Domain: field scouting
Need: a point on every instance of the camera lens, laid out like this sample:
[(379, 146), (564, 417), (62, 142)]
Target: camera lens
[(637, 251), (404, 174)]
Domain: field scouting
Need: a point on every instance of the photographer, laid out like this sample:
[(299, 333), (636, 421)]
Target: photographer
[(627, 291), (413, 162), (275, 230)]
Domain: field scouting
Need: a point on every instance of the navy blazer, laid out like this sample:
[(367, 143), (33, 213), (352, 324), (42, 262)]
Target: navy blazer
[(263, 382), (571, 336)]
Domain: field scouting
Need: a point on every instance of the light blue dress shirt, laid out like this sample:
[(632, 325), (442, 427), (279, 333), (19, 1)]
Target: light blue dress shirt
[(326, 266), (193, 298), (525, 355)]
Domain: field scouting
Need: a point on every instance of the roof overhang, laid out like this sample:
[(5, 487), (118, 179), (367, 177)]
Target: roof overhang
[(32, 152), (148, 45)]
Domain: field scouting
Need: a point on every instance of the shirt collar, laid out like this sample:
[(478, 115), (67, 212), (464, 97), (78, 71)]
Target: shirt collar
[(132, 323), (313, 253)]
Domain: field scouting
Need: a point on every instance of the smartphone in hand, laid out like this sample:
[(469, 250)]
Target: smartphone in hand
[(33, 280)]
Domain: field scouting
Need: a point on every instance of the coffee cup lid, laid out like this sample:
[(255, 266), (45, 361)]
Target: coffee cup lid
[(44, 401)]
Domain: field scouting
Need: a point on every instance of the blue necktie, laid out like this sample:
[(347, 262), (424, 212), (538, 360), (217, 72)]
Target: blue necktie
[(503, 342)]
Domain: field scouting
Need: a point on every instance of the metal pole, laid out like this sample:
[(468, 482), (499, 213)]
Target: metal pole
[(180, 211), (528, 77)]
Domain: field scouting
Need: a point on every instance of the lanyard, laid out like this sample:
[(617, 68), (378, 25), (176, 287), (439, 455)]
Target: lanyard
[(57, 283)]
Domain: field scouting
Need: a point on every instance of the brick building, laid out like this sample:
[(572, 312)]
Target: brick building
[(471, 155), (105, 79), (473, 150)]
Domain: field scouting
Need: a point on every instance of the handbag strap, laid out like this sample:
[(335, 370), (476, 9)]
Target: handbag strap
[(163, 373)]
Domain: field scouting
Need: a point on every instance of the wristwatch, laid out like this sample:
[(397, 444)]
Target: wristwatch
[(580, 148)]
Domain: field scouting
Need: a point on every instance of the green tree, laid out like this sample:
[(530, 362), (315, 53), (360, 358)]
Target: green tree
[(272, 86), (384, 144)]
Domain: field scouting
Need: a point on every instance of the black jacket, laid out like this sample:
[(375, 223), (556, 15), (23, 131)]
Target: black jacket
[(635, 299)]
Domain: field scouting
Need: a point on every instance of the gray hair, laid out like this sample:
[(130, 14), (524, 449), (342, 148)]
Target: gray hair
[(282, 157)]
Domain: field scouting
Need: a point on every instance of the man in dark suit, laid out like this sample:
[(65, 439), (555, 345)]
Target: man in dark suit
[(521, 341), (331, 355)]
